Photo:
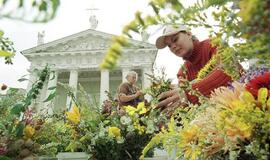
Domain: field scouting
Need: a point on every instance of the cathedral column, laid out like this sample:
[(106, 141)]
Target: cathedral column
[(52, 82), (124, 74), (104, 85), (32, 79), (73, 81)]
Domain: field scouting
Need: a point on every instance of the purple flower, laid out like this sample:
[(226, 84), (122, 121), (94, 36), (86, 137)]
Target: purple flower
[(252, 73)]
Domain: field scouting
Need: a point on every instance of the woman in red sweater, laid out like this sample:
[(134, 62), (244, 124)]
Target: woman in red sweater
[(196, 55)]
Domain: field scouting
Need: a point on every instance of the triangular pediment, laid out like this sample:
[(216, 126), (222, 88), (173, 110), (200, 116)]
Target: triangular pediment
[(87, 40)]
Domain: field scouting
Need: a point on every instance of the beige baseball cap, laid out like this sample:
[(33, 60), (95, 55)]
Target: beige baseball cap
[(168, 31)]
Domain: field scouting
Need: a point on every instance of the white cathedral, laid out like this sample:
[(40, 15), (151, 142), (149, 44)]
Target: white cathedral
[(76, 58)]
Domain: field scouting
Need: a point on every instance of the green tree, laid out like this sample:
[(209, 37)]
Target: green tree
[(11, 98), (36, 11), (244, 22)]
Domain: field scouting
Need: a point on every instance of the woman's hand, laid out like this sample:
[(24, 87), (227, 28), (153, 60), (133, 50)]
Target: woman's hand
[(171, 98)]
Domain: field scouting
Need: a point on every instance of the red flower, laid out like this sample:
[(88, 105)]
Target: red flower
[(262, 81)]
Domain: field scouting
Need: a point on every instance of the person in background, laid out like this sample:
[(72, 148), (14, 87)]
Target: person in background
[(128, 93)]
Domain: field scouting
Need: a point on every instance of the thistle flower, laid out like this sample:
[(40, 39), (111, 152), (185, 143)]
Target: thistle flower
[(28, 116)]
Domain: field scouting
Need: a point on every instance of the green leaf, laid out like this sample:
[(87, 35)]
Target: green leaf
[(4, 158), (50, 97), (4, 2), (1, 33), (28, 100), (17, 109), (55, 5), (5, 54), (19, 129), (22, 79), (34, 3), (52, 77), (52, 88), (43, 6), (21, 3), (71, 147)]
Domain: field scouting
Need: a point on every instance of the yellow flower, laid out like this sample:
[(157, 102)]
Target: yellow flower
[(262, 95), (130, 110), (28, 131), (235, 128), (5, 54), (192, 152), (247, 97), (188, 142), (224, 96), (189, 135), (68, 126), (114, 132), (74, 115), (139, 127), (141, 108), (239, 105)]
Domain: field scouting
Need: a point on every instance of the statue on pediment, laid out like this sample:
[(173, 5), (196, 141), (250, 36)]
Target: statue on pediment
[(40, 37), (93, 22)]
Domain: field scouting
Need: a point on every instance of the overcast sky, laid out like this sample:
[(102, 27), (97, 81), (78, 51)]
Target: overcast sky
[(72, 17)]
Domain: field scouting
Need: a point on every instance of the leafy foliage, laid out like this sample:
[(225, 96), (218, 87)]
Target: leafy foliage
[(19, 124), (39, 11), (226, 23), (6, 49)]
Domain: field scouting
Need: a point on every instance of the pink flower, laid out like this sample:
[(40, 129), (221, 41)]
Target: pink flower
[(3, 150)]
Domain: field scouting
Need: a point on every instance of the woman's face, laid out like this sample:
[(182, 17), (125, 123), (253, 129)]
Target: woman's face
[(132, 79), (181, 44)]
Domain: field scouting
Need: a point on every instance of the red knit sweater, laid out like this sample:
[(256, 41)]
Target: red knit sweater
[(202, 53)]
